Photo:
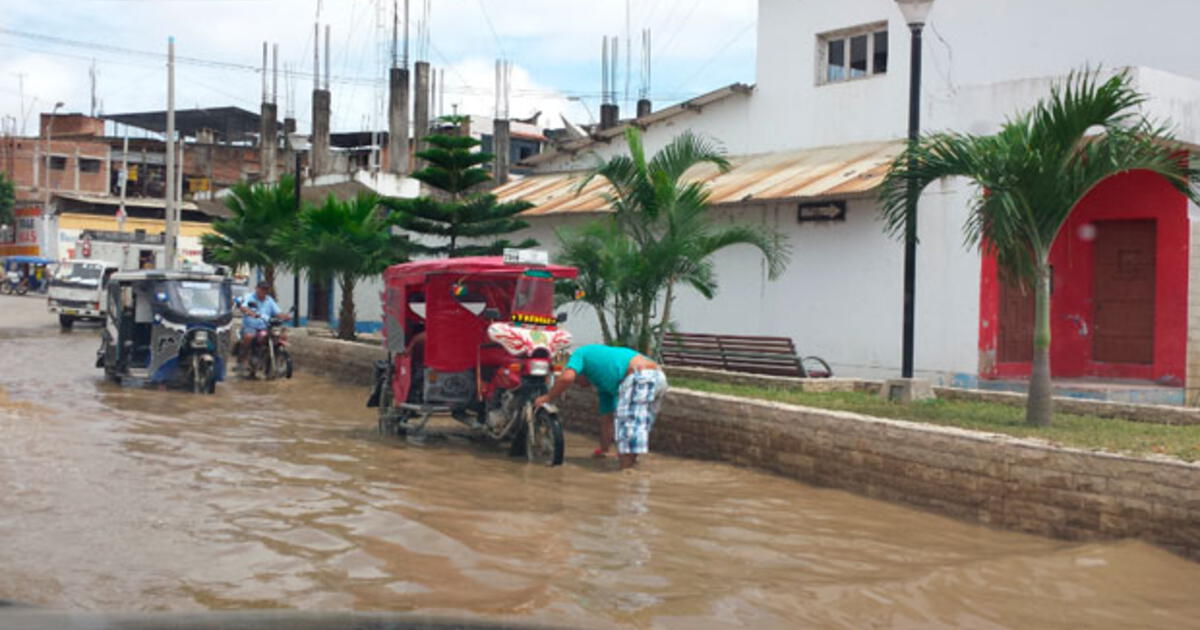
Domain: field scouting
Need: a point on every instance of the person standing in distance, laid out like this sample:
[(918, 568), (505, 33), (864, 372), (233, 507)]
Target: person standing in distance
[(630, 387)]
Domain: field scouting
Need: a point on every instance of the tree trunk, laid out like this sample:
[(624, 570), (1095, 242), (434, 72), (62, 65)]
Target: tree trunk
[(269, 278), (1040, 407), (605, 331), (346, 314), (643, 338), (666, 318)]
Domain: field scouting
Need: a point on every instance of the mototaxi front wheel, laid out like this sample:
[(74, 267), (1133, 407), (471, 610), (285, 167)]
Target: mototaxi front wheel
[(544, 442)]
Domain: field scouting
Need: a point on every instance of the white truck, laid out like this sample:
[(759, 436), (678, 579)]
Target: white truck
[(77, 290)]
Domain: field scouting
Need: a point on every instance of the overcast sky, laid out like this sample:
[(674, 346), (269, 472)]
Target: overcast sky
[(698, 45)]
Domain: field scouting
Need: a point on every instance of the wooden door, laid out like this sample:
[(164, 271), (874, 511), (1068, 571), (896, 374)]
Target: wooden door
[(318, 301), (1016, 323), (1123, 290)]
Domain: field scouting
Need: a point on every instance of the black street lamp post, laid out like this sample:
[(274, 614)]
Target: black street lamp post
[(296, 271), (915, 12)]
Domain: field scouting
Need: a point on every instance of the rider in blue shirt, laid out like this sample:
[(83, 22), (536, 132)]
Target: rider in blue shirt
[(256, 309)]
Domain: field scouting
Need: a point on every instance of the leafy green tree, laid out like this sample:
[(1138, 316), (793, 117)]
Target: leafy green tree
[(7, 199), (346, 241), (258, 212), (609, 277), (1031, 174), (459, 211), (659, 235)]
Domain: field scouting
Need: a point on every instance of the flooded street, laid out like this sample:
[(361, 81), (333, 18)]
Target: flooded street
[(281, 495)]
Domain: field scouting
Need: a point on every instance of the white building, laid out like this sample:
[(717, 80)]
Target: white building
[(827, 111)]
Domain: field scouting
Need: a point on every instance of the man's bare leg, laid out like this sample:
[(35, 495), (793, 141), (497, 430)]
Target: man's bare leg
[(628, 460), (606, 434)]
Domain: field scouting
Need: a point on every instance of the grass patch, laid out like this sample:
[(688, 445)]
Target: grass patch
[(1088, 432)]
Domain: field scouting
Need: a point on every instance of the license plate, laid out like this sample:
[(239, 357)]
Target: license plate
[(70, 311)]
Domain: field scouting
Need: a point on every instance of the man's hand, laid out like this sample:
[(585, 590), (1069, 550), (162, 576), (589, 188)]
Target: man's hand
[(540, 401)]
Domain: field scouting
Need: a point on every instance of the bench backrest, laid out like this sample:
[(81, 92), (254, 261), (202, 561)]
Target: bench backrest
[(737, 353)]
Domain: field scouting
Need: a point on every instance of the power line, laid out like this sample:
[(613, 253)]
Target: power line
[(487, 18), (679, 29), (717, 54), (196, 61)]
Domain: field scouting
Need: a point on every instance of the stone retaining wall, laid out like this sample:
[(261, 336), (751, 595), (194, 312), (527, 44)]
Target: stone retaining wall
[(1025, 485)]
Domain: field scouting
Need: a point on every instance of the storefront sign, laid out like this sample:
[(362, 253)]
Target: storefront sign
[(27, 225)]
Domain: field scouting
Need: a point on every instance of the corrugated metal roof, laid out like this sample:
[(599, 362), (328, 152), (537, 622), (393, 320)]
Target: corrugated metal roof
[(838, 171), (131, 202), (695, 104)]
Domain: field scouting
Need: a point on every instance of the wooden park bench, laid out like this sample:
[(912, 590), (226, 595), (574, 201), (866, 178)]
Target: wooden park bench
[(775, 356)]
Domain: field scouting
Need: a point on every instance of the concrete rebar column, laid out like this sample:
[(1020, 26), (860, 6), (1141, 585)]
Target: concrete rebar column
[(643, 107), (609, 115), (398, 160), (319, 159), (500, 147), (420, 107), (268, 144)]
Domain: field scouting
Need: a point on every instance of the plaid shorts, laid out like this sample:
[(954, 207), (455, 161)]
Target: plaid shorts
[(638, 402)]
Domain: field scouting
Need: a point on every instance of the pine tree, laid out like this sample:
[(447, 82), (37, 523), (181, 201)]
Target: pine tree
[(459, 209)]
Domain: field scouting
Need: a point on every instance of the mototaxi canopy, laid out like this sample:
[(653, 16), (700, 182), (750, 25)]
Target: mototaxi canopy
[(454, 331)]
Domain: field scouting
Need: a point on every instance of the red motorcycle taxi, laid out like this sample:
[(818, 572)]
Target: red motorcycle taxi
[(476, 338)]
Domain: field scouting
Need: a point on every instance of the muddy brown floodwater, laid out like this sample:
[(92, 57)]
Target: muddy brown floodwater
[(281, 495)]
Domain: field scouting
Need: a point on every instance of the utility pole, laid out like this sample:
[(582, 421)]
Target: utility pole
[(172, 221), (51, 239), (21, 94), (92, 77), (124, 180)]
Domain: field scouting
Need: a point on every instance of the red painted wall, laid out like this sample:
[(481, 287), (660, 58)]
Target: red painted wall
[(1135, 195)]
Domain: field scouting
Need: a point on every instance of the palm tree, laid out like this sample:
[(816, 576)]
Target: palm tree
[(344, 240), (670, 238), (258, 211), (610, 275), (1030, 175)]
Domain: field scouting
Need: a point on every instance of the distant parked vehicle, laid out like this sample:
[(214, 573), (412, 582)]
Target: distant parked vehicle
[(77, 290), (21, 274)]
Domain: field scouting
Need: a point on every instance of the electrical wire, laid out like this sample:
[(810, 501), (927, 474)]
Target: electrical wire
[(717, 54), (180, 59), (487, 18), (679, 29)]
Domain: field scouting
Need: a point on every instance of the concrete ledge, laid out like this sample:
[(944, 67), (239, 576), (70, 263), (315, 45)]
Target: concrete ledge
[(1020, 484), (785, 382), (1157, 414), (346, 361)]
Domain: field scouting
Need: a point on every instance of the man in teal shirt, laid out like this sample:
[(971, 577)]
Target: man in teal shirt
[(630, 388)]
